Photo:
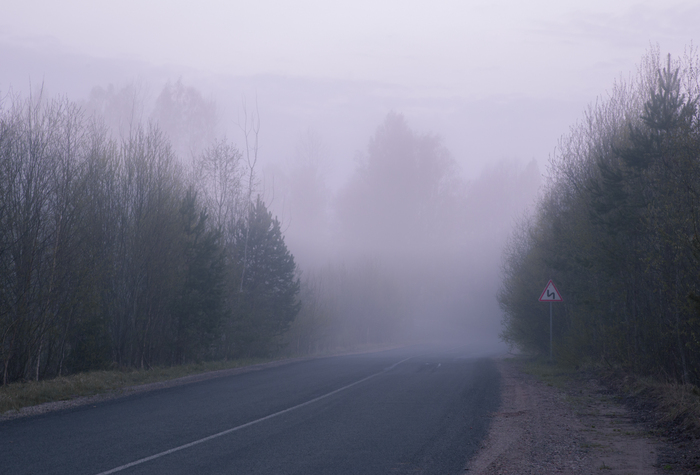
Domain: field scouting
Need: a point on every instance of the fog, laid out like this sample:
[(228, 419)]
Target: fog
[(398, 144)]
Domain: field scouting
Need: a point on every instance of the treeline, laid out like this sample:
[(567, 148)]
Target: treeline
[(616, 228), (112, 253), (125, 244)]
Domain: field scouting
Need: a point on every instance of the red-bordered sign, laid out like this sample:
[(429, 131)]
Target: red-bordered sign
[(551, 294)]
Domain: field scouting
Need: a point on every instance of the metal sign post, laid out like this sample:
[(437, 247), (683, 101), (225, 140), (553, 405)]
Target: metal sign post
[(550, 294)]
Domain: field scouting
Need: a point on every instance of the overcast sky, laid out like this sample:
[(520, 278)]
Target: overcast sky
[(466, 69), (463, 47)]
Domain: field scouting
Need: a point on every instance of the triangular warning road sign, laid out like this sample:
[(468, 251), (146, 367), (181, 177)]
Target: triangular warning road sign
[(550, 294)]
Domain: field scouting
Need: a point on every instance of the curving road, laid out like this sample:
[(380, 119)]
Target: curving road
[(414, 410)]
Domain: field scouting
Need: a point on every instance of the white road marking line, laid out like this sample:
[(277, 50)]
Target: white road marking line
[(248, 424)]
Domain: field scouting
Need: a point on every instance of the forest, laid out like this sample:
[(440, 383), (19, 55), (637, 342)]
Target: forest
[(135, 238), (131, 239), (115, 254), (616, 228)]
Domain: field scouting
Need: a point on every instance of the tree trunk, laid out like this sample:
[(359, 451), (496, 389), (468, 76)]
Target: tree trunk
[(38, 358)]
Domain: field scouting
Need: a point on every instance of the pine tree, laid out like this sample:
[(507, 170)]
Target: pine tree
[(199, 306), (267, 301)]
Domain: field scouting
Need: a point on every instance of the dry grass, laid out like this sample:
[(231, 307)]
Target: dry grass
[(15, 396), (682, 403), (551, 373), (675, 406), (18, 395)]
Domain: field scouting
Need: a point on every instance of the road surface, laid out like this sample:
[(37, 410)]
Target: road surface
[(414, 410)]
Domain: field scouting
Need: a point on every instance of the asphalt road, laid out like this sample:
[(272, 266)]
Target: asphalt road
[(401, 411)]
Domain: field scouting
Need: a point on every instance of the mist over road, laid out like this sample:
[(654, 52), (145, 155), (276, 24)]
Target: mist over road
[(415, 410)]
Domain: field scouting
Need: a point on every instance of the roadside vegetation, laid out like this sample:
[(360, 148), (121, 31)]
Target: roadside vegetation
[(140, 240), (15, 396), (666, 411), (617, 229), (117, 252), (672, 408)]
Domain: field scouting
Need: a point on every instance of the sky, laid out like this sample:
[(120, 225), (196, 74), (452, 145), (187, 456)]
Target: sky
[(469, 70), (470, 48)]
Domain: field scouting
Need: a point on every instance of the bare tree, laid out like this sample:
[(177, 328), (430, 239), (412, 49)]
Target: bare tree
[(251, 132)]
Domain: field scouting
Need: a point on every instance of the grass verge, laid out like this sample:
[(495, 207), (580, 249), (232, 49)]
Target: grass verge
[(15, 396)]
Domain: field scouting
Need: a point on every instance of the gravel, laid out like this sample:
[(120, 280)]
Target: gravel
[(541, 429)]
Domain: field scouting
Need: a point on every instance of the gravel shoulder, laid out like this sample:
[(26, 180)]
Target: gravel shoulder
[(576, 429)]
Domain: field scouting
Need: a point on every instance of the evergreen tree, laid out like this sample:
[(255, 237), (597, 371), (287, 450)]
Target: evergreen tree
[(267, 300), (199, 307)]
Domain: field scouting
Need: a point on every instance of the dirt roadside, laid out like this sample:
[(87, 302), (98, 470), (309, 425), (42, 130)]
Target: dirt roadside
[(578, 428)]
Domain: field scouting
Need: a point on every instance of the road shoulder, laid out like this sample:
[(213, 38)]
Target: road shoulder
[(78, 401), (576, 429)]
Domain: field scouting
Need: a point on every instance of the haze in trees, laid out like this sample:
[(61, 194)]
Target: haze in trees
[(131, 256), (121, 110), (109, 255), (189, 120), (617, 230), (266, 302), (415, 247), (304, 196), (395, 200), (122, 209)]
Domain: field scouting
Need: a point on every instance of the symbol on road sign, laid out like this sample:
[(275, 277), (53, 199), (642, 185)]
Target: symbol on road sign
[(550, 294)]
